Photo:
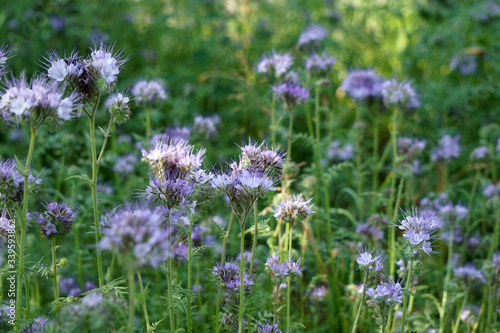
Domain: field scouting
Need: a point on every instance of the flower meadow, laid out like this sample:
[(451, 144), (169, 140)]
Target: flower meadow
[(238, 166)]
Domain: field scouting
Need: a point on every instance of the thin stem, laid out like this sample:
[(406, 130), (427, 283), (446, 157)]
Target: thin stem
[(148, 124), (170, 297), (143, 298), (392, 231), (131, 287), (24, 219), (223, 260), (242, 269), (276, 295), (405, 301), (94, 193), (106, 137), (78, 254), (290, 127), (360, 303), (289, 280), (359, 171), (256, 231), (446, 280), (54, 269), (457, 321), (273, 120), (496, 229), (375, 151), (110, 271), (190, 263)]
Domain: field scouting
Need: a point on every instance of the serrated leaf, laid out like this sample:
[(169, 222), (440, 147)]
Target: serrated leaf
[(83, 177)]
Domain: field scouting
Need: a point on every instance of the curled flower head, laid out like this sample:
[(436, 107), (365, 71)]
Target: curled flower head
[(469, 274), (276, 65), (280, 271), (228, 277), (171, 156), (57, 220), (448, 148), (370, 260), (400, 94), (39, 98), (106, 63), (339, 153), (293, 208), (119, 108), (480, 153), (5, 54), (206, 125), (170, 191), (149, 91), (12, 182), (258, 156), (267, 327), (363, 84), (312, 36), (292, 93), (320, 65), (418, 229), (137, 234)]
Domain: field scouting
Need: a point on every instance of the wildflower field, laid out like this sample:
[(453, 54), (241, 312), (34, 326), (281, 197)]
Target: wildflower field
[(250, 166)]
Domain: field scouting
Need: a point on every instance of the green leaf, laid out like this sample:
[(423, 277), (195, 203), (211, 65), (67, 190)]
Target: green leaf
[(83, 177)]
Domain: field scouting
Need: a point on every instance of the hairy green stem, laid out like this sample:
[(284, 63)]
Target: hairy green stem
[(148, 124), (190, 265), (359, 171), (457, 320), (273, 120), (392, 231), (170, 297), (289, 280), (143, 299), (290, 128), (446, 281), (255, 232), (355, 324), (405, 301), (223, 260), (131, 287), (54, 269), (24, 219)]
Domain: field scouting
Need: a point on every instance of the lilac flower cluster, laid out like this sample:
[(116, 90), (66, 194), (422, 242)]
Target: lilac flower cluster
[(267, 327), (12, 181), (418, 229), (276, 65), (292, 93), (137, 234), (386, 292), (259, 157), (369, 260), (466, 64), (363, 84), (118, 106), (410, 147), (452, 213), (400, 94), (492, 190), (57, 220), (69, 287), (206, 125), (293, 209), (87, 74), (319, 65), (339, 153), (318, 294), (175, 133), (228, 279), (370, 233), (149, 91), (5, 54), (280, 271), (312, 36), (448, 148), (40, 98), (125, 165), (479, 153), (39, 324), (469, 274)]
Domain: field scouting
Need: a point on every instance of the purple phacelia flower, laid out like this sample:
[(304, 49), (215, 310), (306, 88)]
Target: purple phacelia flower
[(41, 97), (292, 93), (57, 220), (119, 108), (410, 147), (452, 213), (363, 84), (448, 148), (293, 209), (339, 153), (125, 165), (319, 65), (280, 271), (207, 126), (149, 91), (389, 293), (260, 157), (268, 327), (12, 181), (369, 260), (5, 55), (490, 191), (400, 94), (277, 64), (418, 229), (105, 63), (170, 191), (38, 325), (312, 36), (479, 153), (469, 274), (370, 232), (318, 294), (137, 234), (228, 279), (466, 64)]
